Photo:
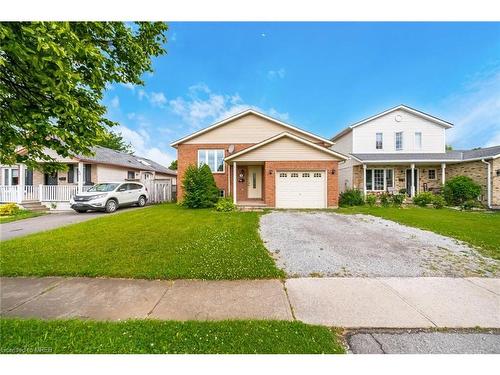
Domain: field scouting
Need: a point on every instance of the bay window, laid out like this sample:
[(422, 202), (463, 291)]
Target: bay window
[(213, 158), (379, 179)]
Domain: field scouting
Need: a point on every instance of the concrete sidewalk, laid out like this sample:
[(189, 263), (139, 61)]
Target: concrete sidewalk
[(343, 302)]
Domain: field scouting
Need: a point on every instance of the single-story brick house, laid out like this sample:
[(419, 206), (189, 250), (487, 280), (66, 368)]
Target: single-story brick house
[(262, 161)]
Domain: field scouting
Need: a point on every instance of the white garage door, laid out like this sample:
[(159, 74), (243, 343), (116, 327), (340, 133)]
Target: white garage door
[(305, 189)]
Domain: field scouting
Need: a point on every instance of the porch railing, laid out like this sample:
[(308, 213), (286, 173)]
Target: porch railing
[(9, 194), (57, 193)]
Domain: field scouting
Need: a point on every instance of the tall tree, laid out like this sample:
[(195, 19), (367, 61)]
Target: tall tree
[(52, 79), (173, 165), (115, 141)]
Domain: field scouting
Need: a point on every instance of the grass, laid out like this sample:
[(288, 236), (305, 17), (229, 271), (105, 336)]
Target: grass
[(480, 229), (159, 242), (150, 336), (22, 214)]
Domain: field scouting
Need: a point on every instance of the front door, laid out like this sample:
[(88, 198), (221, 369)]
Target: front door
[(50, 178), (408, 181), (255, 182)]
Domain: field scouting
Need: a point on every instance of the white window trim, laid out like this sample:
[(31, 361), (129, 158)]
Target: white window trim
[(385, 179), (206, 158), (435, 174), (396, 141), (382, 141), (417, 146)]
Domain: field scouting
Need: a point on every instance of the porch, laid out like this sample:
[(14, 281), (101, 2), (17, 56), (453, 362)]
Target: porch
[(409, 179)]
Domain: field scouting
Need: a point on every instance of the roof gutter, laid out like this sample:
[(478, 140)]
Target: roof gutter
[(489, 182)]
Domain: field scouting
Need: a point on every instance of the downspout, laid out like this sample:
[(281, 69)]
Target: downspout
[(488, 182)]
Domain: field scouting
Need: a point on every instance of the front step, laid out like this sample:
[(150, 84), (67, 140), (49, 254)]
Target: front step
[(34, 206)]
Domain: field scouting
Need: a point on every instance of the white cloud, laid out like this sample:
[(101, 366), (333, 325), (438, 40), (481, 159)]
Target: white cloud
[(142, 145), (201, 107), (274, 74), (128, 85), (157, 99), (475, 112), (115, 102), (142, 94)]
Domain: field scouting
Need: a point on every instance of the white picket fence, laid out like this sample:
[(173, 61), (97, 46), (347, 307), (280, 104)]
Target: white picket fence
[(159, 191)]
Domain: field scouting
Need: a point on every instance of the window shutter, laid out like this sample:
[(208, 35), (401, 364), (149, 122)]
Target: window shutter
[(88, 174), (71, 173)]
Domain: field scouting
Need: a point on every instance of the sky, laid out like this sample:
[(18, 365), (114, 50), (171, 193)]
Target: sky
[(320, 77)]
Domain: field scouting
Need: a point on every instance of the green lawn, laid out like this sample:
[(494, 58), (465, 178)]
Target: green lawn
[(23, 214), (158, 242), (480, 229), (150, 336)]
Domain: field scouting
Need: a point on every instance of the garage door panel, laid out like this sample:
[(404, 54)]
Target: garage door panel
[(300, 189)]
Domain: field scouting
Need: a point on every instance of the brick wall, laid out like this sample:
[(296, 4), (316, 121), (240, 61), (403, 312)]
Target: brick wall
[(495, 181), (332, 179), (476, 170), (187, 154)]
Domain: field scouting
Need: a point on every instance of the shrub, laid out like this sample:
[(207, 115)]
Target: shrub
[(371, 200), (385, 200), (470, 204), (225, 205), (402, 191), (398, 199), (438, 201), (460, 189), (199, 187), (423, 199), (351, 197), (9, 209)]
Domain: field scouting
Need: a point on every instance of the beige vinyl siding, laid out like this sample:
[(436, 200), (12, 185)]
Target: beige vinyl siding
[(247, 129), (285, 149), (343, 144)]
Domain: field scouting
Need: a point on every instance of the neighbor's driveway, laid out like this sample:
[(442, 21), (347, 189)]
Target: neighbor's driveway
[(50, 221), (330, 244)]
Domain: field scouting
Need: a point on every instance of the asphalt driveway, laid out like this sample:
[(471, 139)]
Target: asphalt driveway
[(50, 221), (330, 244)]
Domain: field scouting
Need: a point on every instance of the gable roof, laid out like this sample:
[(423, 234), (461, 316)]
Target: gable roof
[(403, 107), (108, 156), (288, 135), (244, 113)]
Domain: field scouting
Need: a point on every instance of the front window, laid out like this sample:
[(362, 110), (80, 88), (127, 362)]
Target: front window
[(379, 179), (418, 140), (399, 141), (379, 143), (102, 188), (130, 175), (213, 158), (432, 174)]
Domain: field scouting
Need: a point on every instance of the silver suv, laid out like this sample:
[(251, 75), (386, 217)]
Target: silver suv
[(109, 196)]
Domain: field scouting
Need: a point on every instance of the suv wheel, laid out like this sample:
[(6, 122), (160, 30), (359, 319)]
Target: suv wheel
[(111, 206), (142, 201)]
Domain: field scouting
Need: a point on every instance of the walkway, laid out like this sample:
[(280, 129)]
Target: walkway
[(343, 302)]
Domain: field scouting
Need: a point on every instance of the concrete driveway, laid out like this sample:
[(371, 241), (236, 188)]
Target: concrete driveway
[(50, 221), (330, 244)]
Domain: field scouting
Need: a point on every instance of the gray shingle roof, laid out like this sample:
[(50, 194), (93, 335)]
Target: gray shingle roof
[(108, 156), (453, 155)]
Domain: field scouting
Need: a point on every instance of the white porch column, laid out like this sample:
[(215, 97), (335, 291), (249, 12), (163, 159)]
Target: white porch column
[(234, 182), (412, 180), (443, 173), (21, 184), (364, 180), (80, 177)]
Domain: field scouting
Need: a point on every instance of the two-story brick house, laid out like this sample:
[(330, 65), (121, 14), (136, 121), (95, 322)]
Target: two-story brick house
[(403, 149), (261, 161)]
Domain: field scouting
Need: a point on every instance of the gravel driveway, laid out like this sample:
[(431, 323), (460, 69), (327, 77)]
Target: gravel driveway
[(330, 244)]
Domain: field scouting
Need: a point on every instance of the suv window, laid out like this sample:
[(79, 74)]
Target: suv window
[(123, 187), (135, 186)]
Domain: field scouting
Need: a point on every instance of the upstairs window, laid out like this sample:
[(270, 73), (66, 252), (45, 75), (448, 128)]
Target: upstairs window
[(399, 141), (418, 140), (379, 141), (213, 158)]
